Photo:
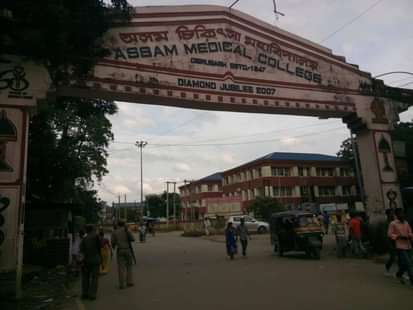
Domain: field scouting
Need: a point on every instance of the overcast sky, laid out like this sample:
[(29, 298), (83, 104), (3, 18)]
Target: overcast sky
[(379, 41)]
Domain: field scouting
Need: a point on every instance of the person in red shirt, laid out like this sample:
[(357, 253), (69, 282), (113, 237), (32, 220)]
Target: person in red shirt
[(355, 236), (401, 232)]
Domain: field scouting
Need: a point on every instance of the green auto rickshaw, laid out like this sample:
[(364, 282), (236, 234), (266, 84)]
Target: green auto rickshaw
[(296, 231)]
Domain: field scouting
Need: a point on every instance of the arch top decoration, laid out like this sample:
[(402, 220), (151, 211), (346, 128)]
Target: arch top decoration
[(216, 58)]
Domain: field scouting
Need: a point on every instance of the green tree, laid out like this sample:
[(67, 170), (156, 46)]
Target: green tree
[(346, 152), (68, 137), (65, 35), (264, 207), (67, 147), (157, 204)]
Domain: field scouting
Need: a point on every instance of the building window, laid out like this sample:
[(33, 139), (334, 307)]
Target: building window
[(325, 172), (304, 191), (304, 171), (345, 172), (242, 176), (346, 190), (326, 191), (280, 172), (260, 191), (282, 191), (257, 173), (210, 188)]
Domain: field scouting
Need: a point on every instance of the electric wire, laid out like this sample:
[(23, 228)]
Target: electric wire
[(351, 21), (267, 132), (181, 125), (249, 135), (245, 142), (393, 72)]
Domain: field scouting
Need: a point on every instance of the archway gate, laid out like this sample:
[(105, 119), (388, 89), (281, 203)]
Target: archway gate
[(212, 58)]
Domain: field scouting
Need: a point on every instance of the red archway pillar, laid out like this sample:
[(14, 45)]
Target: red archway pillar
[(21, 86), (373, 129)]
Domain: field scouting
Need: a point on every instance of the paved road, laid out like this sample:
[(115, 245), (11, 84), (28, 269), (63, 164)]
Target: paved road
[(174, 272)]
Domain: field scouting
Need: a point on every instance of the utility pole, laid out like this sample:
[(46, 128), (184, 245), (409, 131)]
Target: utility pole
[(125, 210), (118, 213), (173, 203), (141, 145), (167, 204)]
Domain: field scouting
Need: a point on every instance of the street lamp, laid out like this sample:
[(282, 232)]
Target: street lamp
[(141, 145)]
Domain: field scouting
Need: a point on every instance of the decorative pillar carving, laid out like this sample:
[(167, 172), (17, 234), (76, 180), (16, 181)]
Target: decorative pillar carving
[(373, 125)]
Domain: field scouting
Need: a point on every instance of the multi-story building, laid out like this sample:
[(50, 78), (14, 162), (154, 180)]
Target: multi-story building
[(293, 179), (194, 195)]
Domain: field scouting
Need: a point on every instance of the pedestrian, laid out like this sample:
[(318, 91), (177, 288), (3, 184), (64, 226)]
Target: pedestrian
[(106, 251), (355, 236), (151, 228), (339, 230), (401, 232), (320, 219), (243, 235), (122, 241), (90, 249), (231, 240), (207, 224), (77, 257), (326, 222), (142, 232), (391, 243)]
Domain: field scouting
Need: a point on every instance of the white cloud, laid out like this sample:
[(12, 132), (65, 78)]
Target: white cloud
[(228, 158), (121, 189), (289, 141), (182, 167), (139, 123)]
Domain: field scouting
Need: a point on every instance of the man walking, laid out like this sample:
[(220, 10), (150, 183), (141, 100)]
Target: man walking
[(121, 241), (90, 249), (401, 232), (339, 231), (243, 235), (207, 224), (391, 244), (326, 222), (355, 236)]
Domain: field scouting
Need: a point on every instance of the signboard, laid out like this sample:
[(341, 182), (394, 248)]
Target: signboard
[(21, 83), (211, 57), (223, 206)]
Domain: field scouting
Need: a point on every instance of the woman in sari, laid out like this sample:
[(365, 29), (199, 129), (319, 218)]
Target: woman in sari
[(231, 240), (106, 253)]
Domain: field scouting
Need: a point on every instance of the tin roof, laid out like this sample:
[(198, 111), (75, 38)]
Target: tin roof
[(213, 177), (298, 157)]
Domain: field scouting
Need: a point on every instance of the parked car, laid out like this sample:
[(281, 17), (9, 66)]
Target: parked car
[(252, 224)]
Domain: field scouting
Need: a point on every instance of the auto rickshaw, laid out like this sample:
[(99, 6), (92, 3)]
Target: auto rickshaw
[(296, 231)]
